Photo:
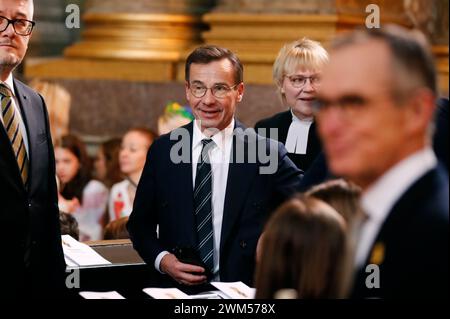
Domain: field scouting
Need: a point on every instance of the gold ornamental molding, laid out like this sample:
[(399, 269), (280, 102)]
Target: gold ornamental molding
[(135, 37), (441, 57), (257, 38)]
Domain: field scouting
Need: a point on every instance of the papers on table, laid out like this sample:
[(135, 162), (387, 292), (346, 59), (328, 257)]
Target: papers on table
[(226, 290), (79, 254), (235, 290), (166, 293), (101, 295)]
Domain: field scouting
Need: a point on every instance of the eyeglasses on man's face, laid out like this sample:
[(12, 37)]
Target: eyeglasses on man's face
[(350, 105), (218, 90), (21, 26), (299, 81)]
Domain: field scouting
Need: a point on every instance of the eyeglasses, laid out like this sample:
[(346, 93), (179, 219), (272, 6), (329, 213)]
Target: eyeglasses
[(218, 90), (22, 27), (299, 81), (349, 104)]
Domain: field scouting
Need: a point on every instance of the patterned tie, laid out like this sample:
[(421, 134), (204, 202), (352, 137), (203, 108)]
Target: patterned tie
[(203, 206), (11, 123)]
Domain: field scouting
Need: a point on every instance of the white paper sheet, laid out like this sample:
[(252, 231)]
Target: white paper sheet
[(235, 290), (166, 293), (101, 295), (80, 254)]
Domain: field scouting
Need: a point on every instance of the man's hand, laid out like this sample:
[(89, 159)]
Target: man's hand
[(182, 273)]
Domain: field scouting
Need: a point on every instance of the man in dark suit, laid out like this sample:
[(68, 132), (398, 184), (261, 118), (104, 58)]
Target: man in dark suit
[(210, 167), (32, 262), (296, 72), (377, 102)]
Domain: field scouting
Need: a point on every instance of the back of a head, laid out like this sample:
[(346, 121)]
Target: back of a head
[(303, 248), (117, 229), (69, 225), (343, 196)]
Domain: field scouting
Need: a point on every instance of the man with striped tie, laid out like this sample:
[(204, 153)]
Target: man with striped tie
[(206, 184), (32, 262)]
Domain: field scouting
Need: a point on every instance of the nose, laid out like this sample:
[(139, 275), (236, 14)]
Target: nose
[(123, 153), (9, 31), (308, 87), (330, 122), (208, 98)]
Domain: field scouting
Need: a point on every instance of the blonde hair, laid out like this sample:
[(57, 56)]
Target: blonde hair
[(304, 53)]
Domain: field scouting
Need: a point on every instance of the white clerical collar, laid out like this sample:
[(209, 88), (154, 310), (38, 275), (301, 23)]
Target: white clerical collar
[(306, 119), (297, 137)]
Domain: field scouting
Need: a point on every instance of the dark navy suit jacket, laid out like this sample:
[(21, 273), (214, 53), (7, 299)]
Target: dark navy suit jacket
[(414, 244), (32, 261), (165, 197)]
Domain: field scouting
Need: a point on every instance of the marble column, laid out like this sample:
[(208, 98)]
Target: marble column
[(50, 36)]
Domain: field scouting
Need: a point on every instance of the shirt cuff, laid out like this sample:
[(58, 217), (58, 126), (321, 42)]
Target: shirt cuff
[(158, 260)]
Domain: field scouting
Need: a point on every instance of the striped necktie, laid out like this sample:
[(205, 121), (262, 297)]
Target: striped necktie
[(12, 128), (203, 206)]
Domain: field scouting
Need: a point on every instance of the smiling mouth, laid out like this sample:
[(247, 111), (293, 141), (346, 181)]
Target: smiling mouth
[(211, 112), (307, 99)]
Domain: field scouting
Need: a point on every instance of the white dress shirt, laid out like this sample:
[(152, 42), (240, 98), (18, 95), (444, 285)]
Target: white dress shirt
[(378, 200), (297, 137), (10, 83), (219, 156)]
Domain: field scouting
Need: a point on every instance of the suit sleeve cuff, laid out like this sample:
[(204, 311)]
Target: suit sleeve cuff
[(158, 260)]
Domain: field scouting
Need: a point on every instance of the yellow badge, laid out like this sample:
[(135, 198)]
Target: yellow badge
[(377, 256)]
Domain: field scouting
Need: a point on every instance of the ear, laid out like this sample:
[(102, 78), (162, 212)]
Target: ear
[(186, 89), (421, 107), (240, 90)]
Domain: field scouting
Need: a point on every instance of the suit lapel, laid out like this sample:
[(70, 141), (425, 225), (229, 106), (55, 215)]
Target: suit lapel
[(240, 177), (182, 174)]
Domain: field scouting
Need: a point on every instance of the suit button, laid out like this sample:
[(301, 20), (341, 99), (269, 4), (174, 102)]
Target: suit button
[(243, 244)]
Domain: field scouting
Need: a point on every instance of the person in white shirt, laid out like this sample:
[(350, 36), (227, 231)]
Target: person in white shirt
[(374, 111), (205, 186), (132, 154)]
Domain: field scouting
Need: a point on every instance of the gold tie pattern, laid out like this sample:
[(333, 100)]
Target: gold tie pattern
[(12, 127)]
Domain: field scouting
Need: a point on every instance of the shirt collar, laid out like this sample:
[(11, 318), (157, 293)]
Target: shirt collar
[(305, 120), (219, 139), (10, 83), (381, 196)]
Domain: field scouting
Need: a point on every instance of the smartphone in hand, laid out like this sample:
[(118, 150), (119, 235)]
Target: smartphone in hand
[(189, 255)]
